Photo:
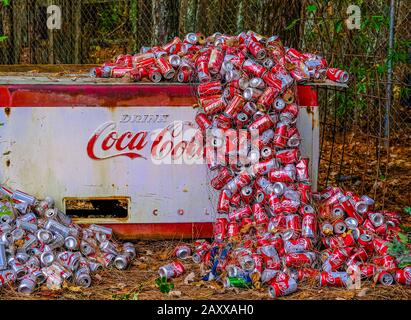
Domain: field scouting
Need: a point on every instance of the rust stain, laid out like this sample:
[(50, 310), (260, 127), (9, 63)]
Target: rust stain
[(7, 111), (310, 110), (8, 163)]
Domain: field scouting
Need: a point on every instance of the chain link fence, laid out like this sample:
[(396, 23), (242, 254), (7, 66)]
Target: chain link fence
[(357, 150)]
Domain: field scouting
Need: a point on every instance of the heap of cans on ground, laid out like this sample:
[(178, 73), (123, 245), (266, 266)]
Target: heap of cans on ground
[(40, 244), (268, 232)]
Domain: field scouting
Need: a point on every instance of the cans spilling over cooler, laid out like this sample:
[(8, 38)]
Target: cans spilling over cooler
[(97, 140)]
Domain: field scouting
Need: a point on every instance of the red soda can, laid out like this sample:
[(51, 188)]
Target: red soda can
[(339, 241), (154, 74), (260, 216), (337, 75), (297, 245), (274, 264), (263, 167), (278, 244), (302, 169), (304, 259), (223, 176), (216, 60), (264, 139), (380, 246), (367, 270), (223, 206), (203, 122), (247, 194), (249, 108), (286, 174), (206, 100), (388, 262), (235, 200), (209, 89), (277, 222), (293, 222), (147, 62), (305, 190), (220, 229), (333, 279), (287, 156), (233, 229), (384, 278), (294, 54), (337, 258), (367, 224), (252, 67), (349, 209), (172, 270), (235, 105), (293, 139), (262, 124), (184, 74), (283, 288), (222, 122), (271, 80), (240, 213), (166, 68), (252, 94), (403, 276), (359, 255), (280, 135), (214, 107), (309, 225), (256, 49), (258, 262), (266, 99), (174, 46), (241, 120)]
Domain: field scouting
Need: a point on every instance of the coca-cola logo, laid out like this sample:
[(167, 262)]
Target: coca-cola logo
[(107, 143), (177, 140)]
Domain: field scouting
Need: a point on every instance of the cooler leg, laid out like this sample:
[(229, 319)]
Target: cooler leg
[(309, 128)]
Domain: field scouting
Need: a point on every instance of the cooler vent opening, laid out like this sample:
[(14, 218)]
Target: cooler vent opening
[(97, 208)]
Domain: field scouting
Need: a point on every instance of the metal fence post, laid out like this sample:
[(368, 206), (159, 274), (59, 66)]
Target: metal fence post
[(389, 74)]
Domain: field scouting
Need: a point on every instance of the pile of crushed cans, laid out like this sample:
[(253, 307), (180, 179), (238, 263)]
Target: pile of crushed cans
[(272, 230), (40, 244)]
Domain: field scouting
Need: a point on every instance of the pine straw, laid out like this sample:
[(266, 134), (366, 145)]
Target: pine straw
[(139, 283)]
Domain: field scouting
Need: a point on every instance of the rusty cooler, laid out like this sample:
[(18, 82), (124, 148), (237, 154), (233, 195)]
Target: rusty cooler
[(90, 144)]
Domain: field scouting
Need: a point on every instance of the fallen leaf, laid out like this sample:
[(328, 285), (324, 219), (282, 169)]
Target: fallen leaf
[(174, 293), (121, 285), (364, 292), (142, 266), (190, 278)]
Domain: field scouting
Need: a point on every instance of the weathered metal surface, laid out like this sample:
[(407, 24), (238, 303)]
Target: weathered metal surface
[(46, 143)]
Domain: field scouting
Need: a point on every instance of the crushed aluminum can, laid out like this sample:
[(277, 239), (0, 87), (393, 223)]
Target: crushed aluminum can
[(172, 270)]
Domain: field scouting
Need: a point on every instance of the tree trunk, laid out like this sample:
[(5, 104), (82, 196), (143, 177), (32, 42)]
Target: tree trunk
[(6, 46), (165, 20)]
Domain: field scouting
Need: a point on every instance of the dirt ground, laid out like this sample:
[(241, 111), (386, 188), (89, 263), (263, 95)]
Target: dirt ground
[(138, 283)]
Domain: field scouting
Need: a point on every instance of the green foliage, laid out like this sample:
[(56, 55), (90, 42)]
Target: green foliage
[(164, 285), (3, 38), (125, 296), (5, 211), (407, 210), (292, 24), (311, 8), (5, 2), (400, 250)]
